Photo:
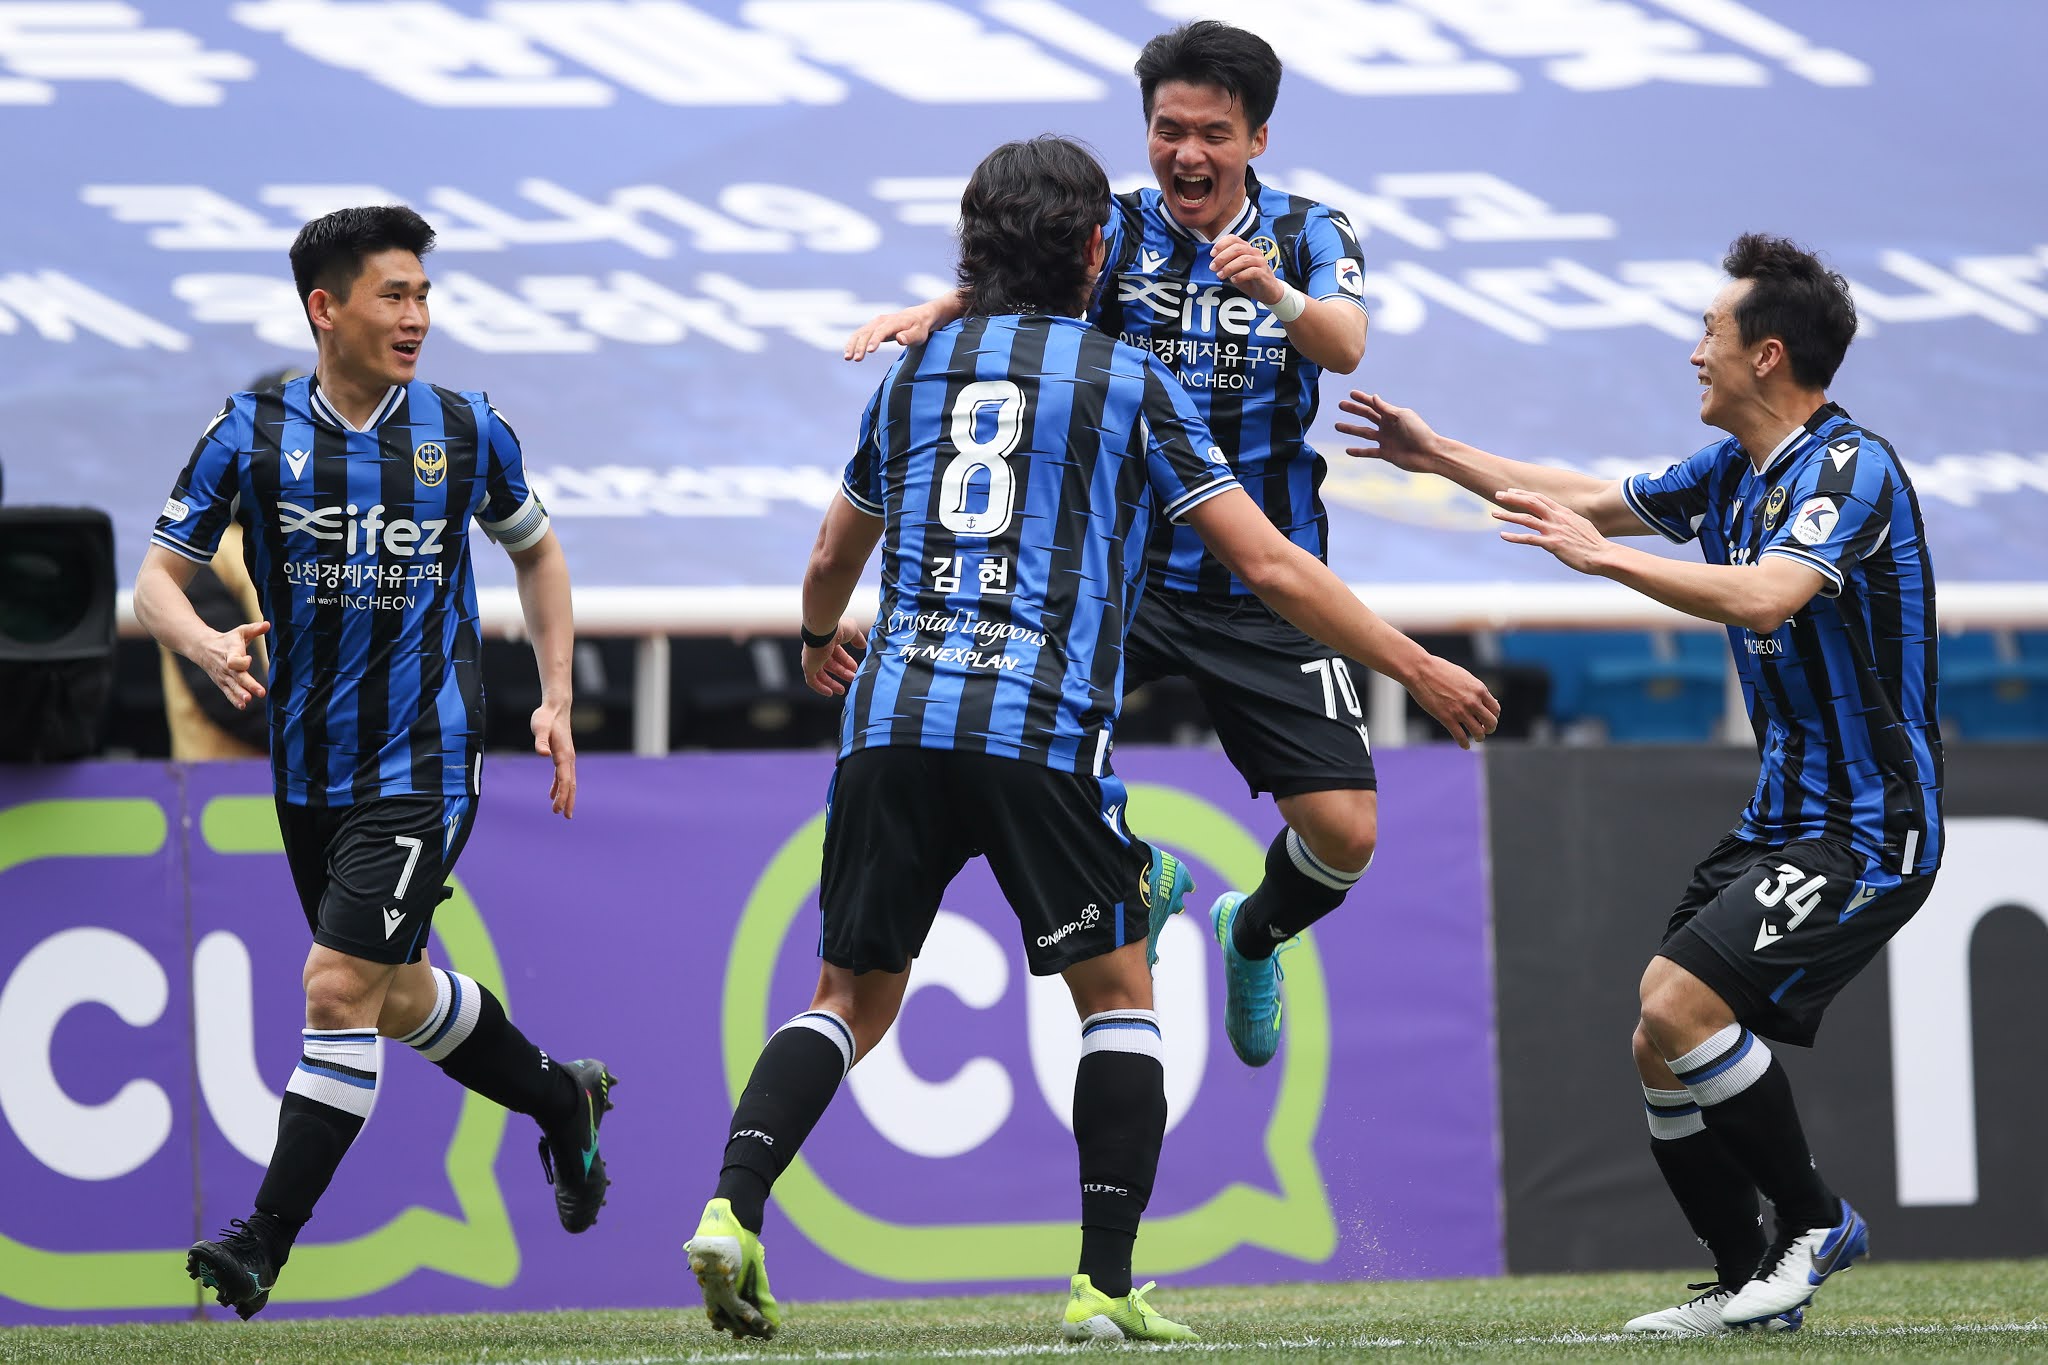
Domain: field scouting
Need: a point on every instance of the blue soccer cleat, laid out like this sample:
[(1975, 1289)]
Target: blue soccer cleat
[(1166, 885)]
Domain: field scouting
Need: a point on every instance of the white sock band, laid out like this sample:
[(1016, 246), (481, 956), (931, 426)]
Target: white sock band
[(1673, 1114), (1723, 1067), (1122, 1031), (831, 1026), (338, 1068), (457, 1002), (1316, 870)]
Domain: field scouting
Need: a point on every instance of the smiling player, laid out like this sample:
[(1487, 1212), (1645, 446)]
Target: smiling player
[(355, 486)]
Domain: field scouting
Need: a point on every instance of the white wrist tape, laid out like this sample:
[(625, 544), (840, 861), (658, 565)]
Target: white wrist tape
[(1293, 303)]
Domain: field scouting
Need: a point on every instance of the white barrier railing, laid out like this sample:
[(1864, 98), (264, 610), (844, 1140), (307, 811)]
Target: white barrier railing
[(654, 614)]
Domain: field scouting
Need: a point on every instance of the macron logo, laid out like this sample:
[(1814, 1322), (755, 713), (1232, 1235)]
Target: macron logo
[(297, 460), (392, 919), (1150, 261)]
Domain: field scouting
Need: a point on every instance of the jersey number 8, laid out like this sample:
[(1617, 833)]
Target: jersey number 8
[(976, 455)]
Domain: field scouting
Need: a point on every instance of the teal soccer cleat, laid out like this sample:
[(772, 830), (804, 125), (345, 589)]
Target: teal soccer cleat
[(1251, 1005), (1166, 885)]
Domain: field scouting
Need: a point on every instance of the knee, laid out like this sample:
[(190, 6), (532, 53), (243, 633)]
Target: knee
[(1645, 1049), (335, 1000), (1346, 844)]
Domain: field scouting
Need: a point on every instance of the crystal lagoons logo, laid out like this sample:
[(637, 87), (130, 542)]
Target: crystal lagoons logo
[(360, 531), (100, 1211), (919, 1125), (430, 463)]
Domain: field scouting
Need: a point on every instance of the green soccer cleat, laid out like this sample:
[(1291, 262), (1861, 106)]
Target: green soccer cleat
[(732, 1271), (1165, 886), (1094, 1316), (1251, 1000)]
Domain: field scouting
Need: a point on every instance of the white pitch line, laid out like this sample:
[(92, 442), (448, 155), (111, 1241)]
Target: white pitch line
[(712, 1357)]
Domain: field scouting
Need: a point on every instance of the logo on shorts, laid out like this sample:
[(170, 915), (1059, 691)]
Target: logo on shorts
[(430, 463), (392, 919), (1090, 915)]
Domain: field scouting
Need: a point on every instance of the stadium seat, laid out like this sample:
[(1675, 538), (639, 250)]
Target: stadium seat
[(1639, 686), (1995, 700), (2032, 644), (1973, 648)]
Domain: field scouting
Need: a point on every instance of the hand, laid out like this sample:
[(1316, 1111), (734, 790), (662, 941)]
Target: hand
[(1553, 526), (1459, 701), (828, 669), (225, 657), (906, 327), (1243, 266), (1403, 439), (551, 738)]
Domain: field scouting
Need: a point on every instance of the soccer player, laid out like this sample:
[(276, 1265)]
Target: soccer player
[(1818, 565), (354, 487), (1011, 466), (1247, 294)]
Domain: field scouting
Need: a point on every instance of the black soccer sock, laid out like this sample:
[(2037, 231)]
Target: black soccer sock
[(1119, 1123), (326, 1103), (1299, 889), (794, 1079), (1716, 1195), (1746, 1099), (468, 1036)]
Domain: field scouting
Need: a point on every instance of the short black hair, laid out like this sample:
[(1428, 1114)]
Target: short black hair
[(1796, 299), (1211, 52), (1024, 226), (328, 253)]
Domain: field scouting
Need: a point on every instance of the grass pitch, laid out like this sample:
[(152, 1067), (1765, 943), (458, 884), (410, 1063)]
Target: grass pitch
[(1976, 1310)]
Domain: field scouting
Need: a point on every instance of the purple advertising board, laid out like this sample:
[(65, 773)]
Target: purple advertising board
[(150, 948)]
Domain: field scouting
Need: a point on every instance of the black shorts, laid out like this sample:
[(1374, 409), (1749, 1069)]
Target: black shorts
[(1289, 710), (370, 875), (1777, 932), (902, 821)]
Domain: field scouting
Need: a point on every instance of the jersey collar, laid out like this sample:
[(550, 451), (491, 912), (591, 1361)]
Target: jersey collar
[(328, 413), (1796, 440), (1242, 225)]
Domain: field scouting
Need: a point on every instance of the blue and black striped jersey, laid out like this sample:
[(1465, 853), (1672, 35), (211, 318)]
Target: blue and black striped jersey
[(1019, 463), (1256, 393), (358, 541), (1843, 695)]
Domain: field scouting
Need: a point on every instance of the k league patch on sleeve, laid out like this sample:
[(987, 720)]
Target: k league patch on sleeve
[(1815, 520)]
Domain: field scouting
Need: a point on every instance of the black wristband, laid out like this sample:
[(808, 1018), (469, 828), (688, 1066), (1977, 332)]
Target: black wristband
[(803, 632)]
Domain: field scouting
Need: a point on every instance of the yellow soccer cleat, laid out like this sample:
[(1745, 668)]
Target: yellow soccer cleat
[(731, 1269), (1094, 1316)]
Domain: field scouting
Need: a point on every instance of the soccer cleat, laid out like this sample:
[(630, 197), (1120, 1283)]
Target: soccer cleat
[(568, 1152), (237, 1266), (1165, 886), (1094, 1316), (1700, 1316), (732, 1270), (1251, 998), (1797, 1264)]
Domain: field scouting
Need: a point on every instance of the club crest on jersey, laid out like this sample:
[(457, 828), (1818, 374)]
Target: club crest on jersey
[(1268, 248), (1774, 507), (430, 463)]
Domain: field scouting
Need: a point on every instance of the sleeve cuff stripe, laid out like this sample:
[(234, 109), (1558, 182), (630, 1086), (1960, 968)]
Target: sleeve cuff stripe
[(1189, 501), (179, 548), (1628, 495), (873, 509), (1834, 575), (1348, 297)]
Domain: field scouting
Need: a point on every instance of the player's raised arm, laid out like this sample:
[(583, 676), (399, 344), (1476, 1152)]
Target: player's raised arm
[(905, 326), (1329, 331), (1400, 437), (166, 613), (1304, 590)]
